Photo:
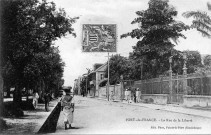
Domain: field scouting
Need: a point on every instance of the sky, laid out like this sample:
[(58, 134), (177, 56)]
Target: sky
[(122, 13)]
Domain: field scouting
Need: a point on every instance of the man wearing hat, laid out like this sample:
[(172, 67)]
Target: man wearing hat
[(67, 103)]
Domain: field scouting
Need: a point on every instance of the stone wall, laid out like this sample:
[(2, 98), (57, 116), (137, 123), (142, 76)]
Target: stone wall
[(195, 100), (154, 98), (115, 89)]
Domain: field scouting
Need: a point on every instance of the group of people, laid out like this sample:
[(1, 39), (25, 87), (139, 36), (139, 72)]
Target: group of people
[(133, 96), (47, 98), (67, 105)]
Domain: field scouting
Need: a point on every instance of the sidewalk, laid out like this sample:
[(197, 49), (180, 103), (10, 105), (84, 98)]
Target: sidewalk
[(195, 111), (31, 122)]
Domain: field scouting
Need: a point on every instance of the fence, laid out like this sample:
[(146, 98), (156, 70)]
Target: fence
[(186, 89), (197, 84)]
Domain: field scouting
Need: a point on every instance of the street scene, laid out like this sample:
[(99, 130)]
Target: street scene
[(105, 67), (123, 118)]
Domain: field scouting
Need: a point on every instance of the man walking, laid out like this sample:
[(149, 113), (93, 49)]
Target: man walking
[(47, 98)]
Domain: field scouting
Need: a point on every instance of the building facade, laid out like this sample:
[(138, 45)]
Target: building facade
[(97, 76)]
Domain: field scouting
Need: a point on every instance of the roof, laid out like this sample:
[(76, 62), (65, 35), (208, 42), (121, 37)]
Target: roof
[(105, 64)]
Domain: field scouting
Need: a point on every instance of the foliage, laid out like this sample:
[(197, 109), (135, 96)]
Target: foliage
[(207, 60), (201, 21), (84, 84), (206, 67), (29, 29), (157, 28), (193, 61), (118, 66)]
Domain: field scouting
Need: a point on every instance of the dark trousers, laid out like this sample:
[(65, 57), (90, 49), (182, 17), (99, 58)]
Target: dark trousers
[(46, 106)]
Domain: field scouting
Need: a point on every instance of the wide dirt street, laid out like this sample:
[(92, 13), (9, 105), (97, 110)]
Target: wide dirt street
[(98, 116)]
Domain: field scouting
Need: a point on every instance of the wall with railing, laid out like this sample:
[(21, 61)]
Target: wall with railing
[(197, 84), (189, 90), (192, 89)]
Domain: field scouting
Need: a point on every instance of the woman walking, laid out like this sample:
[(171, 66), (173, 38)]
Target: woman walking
[(67, 103), (35, 99)]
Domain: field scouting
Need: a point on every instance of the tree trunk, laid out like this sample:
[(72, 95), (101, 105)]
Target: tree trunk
[(17, 98), (1, 97), (8, 91), (27, 93)]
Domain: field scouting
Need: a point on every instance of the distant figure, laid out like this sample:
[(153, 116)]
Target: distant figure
[(47, 99), (129, 95), (68, 105), (35, 99), (83, 93), (138, 95), (134, 96), (112, 96), (126, 93)]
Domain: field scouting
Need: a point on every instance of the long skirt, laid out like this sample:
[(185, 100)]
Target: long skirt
[(68, 115), (34, 102)]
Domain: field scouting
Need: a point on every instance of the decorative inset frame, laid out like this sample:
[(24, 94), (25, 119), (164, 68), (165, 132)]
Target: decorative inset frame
[(99, 38)]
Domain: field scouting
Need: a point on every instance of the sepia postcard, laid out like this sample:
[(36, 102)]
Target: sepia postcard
[(105, 67)]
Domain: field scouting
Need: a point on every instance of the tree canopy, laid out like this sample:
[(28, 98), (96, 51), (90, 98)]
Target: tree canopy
[(118, 66), (157, 29), (201, 21), (29, 29)]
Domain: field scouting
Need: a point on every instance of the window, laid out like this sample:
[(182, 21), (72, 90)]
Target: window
[(101, 76)]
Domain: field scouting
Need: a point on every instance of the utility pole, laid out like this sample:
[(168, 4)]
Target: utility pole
[(108, 77), (88, 70), (86, 83), (121, 87), (108, 82)]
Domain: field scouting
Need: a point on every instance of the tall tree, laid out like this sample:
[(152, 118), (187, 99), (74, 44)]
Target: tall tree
[(29, 28), (118, 66), (157, 28), (201, 21)]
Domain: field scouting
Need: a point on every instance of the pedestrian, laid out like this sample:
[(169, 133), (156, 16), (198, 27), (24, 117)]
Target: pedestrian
[(47, 98), (112, 96), (129, 95), (138, 95), (126, 93), (83, 93), (35, 99), (68, 105), (134, 96)]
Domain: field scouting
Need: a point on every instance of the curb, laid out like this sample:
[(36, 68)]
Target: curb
[(161, 108), (50, 124)]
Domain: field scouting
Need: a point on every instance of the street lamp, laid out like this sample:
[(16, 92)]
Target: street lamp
[(184, 66), (170, 62), (185, 74), (170, 79)]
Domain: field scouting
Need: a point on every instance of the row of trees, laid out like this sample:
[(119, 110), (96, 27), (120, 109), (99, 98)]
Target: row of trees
[(133, 70), (30, 58), (158, 33)]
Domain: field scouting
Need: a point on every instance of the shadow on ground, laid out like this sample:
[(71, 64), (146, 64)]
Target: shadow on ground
[(81, 107)]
